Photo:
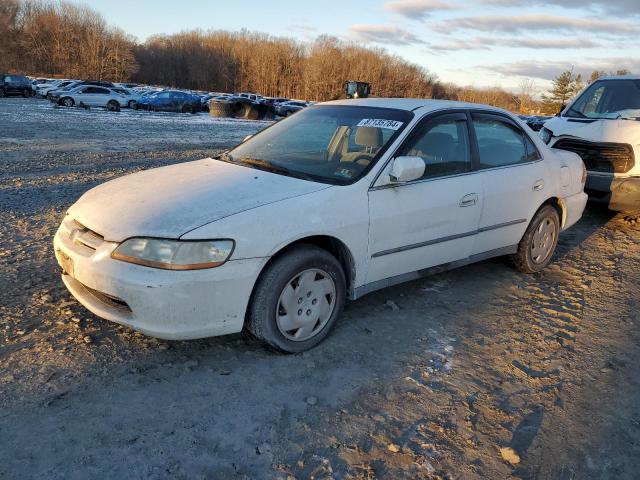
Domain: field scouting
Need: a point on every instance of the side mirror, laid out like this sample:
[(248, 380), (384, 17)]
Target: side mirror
[(246, 138), (406, 169)]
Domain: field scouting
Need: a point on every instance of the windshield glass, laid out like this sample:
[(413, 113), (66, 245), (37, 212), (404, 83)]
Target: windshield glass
[(328, 143), (608, 99)]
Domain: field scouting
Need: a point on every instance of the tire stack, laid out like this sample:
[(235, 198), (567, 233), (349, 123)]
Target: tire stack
[(241, 108)]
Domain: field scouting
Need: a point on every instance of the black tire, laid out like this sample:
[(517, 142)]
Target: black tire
[(525, 260), (2, 93), (67, 102), (113, 106), (288, 113), (26, 93), (132, 104), (261, 314), (187, 109), (219, 109)]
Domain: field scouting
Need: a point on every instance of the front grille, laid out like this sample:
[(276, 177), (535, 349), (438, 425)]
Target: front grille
[(600, 157), (87, 240)]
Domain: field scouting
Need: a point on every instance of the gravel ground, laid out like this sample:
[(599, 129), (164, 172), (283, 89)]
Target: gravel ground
[(481, 372)]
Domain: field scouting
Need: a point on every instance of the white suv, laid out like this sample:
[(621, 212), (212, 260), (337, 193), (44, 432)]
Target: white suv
[(332, 203), (602, 125)]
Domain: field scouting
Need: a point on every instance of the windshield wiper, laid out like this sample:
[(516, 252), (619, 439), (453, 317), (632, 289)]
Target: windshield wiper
[(264, 165)]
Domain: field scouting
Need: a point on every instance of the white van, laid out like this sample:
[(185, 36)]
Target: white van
[(602, 125)]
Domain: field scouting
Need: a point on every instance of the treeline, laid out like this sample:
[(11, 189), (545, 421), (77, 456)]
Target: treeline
[(56, 38), (246, 61), (63, 39)]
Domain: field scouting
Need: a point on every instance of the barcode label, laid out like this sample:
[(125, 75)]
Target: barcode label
[(380, 123)]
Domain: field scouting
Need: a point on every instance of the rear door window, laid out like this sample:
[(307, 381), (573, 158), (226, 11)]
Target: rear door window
[(500, 142)]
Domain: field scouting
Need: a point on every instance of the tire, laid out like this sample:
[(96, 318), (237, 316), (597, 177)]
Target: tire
[(113, 106), (539, 242), (219, 109), (288, 113), (67, 102), (187, 109), (132, 104), (304, 266), (2, 93), (25, 93)]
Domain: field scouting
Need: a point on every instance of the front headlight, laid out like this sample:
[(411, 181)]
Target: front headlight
[(174, 254), (545, 135)]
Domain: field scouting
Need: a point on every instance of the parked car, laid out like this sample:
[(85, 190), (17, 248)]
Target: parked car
[(14, 85), (174, 101), (45, 90), (287, 108), (342, 199), (144, 99), (536, 122), (91, 96), (132, 96), (602, 125), (254, 97)]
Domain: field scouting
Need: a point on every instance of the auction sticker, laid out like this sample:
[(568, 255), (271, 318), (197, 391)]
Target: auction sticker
[(380, 123)]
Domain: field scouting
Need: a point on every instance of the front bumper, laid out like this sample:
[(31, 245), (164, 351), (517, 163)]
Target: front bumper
[(167, 304), (619, 194)]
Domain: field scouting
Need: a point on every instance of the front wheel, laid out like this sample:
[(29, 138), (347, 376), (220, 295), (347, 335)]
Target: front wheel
[(132, 105), (67, 102), (297, 299), (539, 241)]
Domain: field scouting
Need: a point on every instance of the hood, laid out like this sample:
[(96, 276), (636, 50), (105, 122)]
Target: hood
[(616, 131), (169, 201)]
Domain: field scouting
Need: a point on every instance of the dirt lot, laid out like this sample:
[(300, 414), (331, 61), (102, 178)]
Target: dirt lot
[(481, 372)]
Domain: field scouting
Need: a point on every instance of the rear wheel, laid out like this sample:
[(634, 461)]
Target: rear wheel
[(297, 299), (2, 93), (187, 109), (26, 93), (132, 104), (539, 241), (67, 102), (113, 106)]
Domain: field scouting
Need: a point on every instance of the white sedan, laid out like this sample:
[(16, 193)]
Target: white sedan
[(92, 96), (342, 199)]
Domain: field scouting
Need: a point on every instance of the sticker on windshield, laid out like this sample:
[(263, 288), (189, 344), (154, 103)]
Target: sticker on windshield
[(380, 123)]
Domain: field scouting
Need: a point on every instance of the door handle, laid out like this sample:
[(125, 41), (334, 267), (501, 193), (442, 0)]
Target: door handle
[(468, 200), (539, 185)]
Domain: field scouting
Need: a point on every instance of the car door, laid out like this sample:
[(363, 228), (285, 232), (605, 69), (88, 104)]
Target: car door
[(433, 220), (82, 96), (513, 181)]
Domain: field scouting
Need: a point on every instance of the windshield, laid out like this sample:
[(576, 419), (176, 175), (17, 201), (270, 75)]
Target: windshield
[(334, 144), (608, 99)]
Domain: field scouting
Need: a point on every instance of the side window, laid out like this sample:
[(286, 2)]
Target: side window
[(90, 90), (532, 152), (443, 144), (500, 142)]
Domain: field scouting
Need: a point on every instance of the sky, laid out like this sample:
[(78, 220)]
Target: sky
[(468, 42)]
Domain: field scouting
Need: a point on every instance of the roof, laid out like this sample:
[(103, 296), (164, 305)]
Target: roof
[(408, 103), (619, 77)]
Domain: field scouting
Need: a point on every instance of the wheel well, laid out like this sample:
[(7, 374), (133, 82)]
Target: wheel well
[(332, 245), (559, 205)]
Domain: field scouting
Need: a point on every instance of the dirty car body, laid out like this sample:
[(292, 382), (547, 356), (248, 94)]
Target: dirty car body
[(344, 198)]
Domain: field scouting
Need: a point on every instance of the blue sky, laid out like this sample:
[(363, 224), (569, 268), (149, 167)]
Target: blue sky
[(468, 42)]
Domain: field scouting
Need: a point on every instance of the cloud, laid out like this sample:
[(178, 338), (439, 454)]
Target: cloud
[(537, 22), (613, 6), (550, 69), (418, 9), (488, 43), (389, 35)]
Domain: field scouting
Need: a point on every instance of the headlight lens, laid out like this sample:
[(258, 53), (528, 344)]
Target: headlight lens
[(545, 135), (174, 254)]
